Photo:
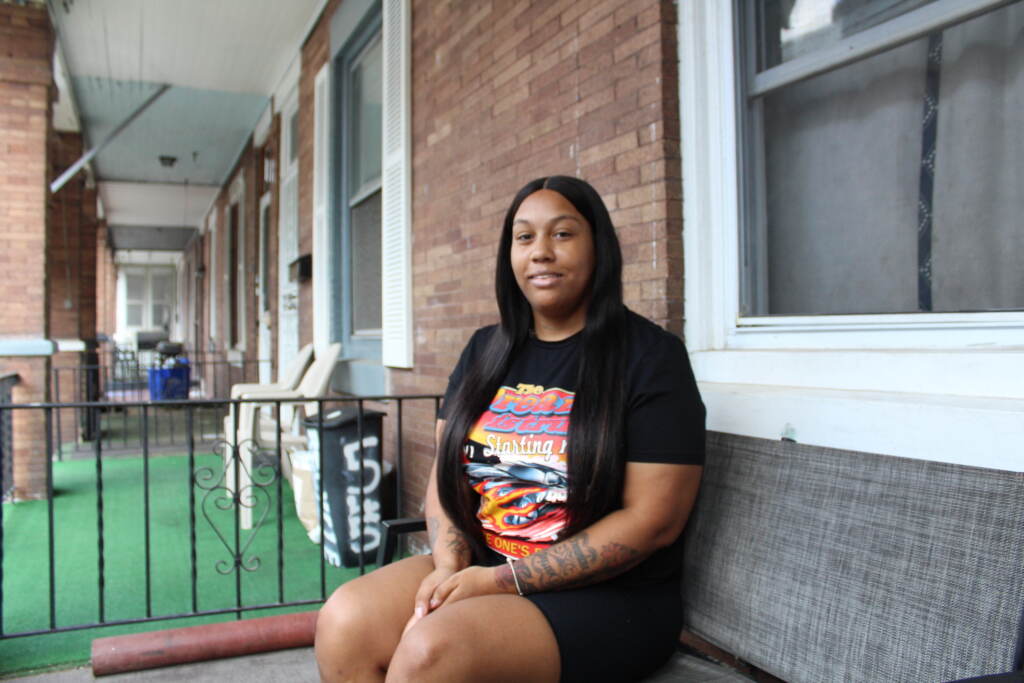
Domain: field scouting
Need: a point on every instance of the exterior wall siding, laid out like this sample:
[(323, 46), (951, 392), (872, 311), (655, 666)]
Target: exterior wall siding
[(26, 86), (506, 92), (503, 93)]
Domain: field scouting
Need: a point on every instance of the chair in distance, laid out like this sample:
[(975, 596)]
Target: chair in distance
[(257, 432), (289, 379)]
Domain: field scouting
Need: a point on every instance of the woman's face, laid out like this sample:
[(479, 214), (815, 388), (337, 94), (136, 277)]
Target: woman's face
[(553, 257)]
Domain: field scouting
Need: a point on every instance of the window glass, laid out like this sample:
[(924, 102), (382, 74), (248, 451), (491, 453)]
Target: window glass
[(788, 29), (161, 315), (135, 286), (366, 264), (891, 184), (134, 315), (367, 108), (162, 286)]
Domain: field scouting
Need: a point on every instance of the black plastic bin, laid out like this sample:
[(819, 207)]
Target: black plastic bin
[(341, 482)]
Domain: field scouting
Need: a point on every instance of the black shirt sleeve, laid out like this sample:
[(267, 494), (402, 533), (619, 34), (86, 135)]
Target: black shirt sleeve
[(665, 418), (469, 354)]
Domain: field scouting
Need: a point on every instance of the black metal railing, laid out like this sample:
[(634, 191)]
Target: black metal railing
[(126, 375), (7, 382), (149, 535), (122, 380)]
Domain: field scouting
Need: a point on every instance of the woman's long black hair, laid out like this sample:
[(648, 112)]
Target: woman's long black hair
[(595, 442)]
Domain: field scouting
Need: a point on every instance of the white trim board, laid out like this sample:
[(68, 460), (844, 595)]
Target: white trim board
[(141, 257), (979, 432), (323, 313)]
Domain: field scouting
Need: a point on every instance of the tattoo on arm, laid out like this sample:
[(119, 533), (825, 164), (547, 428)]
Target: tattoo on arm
[(456, 542), (573, 563), (504, 580)]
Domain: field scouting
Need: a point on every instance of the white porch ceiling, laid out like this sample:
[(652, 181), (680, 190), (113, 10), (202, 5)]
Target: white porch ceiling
[(236, 46), (222, 59), (155, 204)]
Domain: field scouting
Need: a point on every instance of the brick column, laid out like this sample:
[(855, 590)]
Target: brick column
[(26, 85)]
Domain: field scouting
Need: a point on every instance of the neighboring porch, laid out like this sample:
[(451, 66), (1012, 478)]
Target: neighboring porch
[(141, 530)]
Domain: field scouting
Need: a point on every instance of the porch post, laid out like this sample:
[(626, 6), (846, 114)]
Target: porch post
[(26, 87)]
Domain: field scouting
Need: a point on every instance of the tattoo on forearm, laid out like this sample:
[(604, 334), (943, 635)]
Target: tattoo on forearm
[(504, 580), (573, 563), (456, 542)]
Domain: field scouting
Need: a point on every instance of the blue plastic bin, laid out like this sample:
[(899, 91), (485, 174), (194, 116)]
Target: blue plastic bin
[(170, 383)]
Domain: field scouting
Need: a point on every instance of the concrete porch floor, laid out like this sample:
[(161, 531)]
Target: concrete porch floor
[(293, 666)]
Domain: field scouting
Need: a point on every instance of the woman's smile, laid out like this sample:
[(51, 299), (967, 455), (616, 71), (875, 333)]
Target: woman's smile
[(544, 279)]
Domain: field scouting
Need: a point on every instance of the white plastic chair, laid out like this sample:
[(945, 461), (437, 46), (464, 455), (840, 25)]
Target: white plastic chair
[(287, 380), (258, 432)]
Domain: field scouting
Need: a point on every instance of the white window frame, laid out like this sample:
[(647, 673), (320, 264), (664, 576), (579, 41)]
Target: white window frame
[(937, 386), (146, 265), (211, 229)]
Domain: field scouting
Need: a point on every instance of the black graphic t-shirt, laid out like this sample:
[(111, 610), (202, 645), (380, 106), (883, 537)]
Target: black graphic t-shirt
[(516, 451)]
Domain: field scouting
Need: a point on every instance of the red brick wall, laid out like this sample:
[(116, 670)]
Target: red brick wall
[(25, 89), (508, 92), (106, 283), (218, 374), (71, 262), (25, 131)]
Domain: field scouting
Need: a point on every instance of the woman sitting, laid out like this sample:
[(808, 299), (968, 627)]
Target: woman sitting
[(571, 443)]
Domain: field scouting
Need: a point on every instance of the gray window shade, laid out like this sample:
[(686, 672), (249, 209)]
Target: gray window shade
[(367, 106), (836, 190), (979, 168), (366, 264)]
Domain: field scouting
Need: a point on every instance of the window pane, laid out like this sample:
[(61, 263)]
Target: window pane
[(163, 286), (134, 315), (787, 29), (161, 315), (135, 287), (366, 264), (367, 109), (868, 203)]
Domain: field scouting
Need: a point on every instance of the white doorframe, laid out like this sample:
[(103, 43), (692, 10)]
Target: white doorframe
[(288, 237), (263, 295)]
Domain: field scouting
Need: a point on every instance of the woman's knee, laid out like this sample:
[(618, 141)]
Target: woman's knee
[(346, 613), (424, 651), (345, 641)]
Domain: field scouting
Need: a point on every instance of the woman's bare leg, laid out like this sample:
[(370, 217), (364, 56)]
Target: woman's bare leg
[(489, 638), (360, 625)]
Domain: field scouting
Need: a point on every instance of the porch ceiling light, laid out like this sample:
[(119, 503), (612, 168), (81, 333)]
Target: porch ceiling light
[(167, 160)]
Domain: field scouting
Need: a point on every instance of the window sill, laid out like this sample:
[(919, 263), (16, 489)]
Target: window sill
[(967, 430), (953, 372)]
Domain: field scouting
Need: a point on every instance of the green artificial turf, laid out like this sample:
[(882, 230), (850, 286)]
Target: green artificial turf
[(26, 583)]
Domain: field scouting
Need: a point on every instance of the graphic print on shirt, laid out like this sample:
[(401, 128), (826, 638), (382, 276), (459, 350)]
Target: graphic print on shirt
[(515, 459)]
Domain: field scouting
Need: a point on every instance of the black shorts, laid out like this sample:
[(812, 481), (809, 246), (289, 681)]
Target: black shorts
[(614, 632)]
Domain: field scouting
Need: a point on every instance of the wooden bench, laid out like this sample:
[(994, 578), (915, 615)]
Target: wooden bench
[(812, 564)]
